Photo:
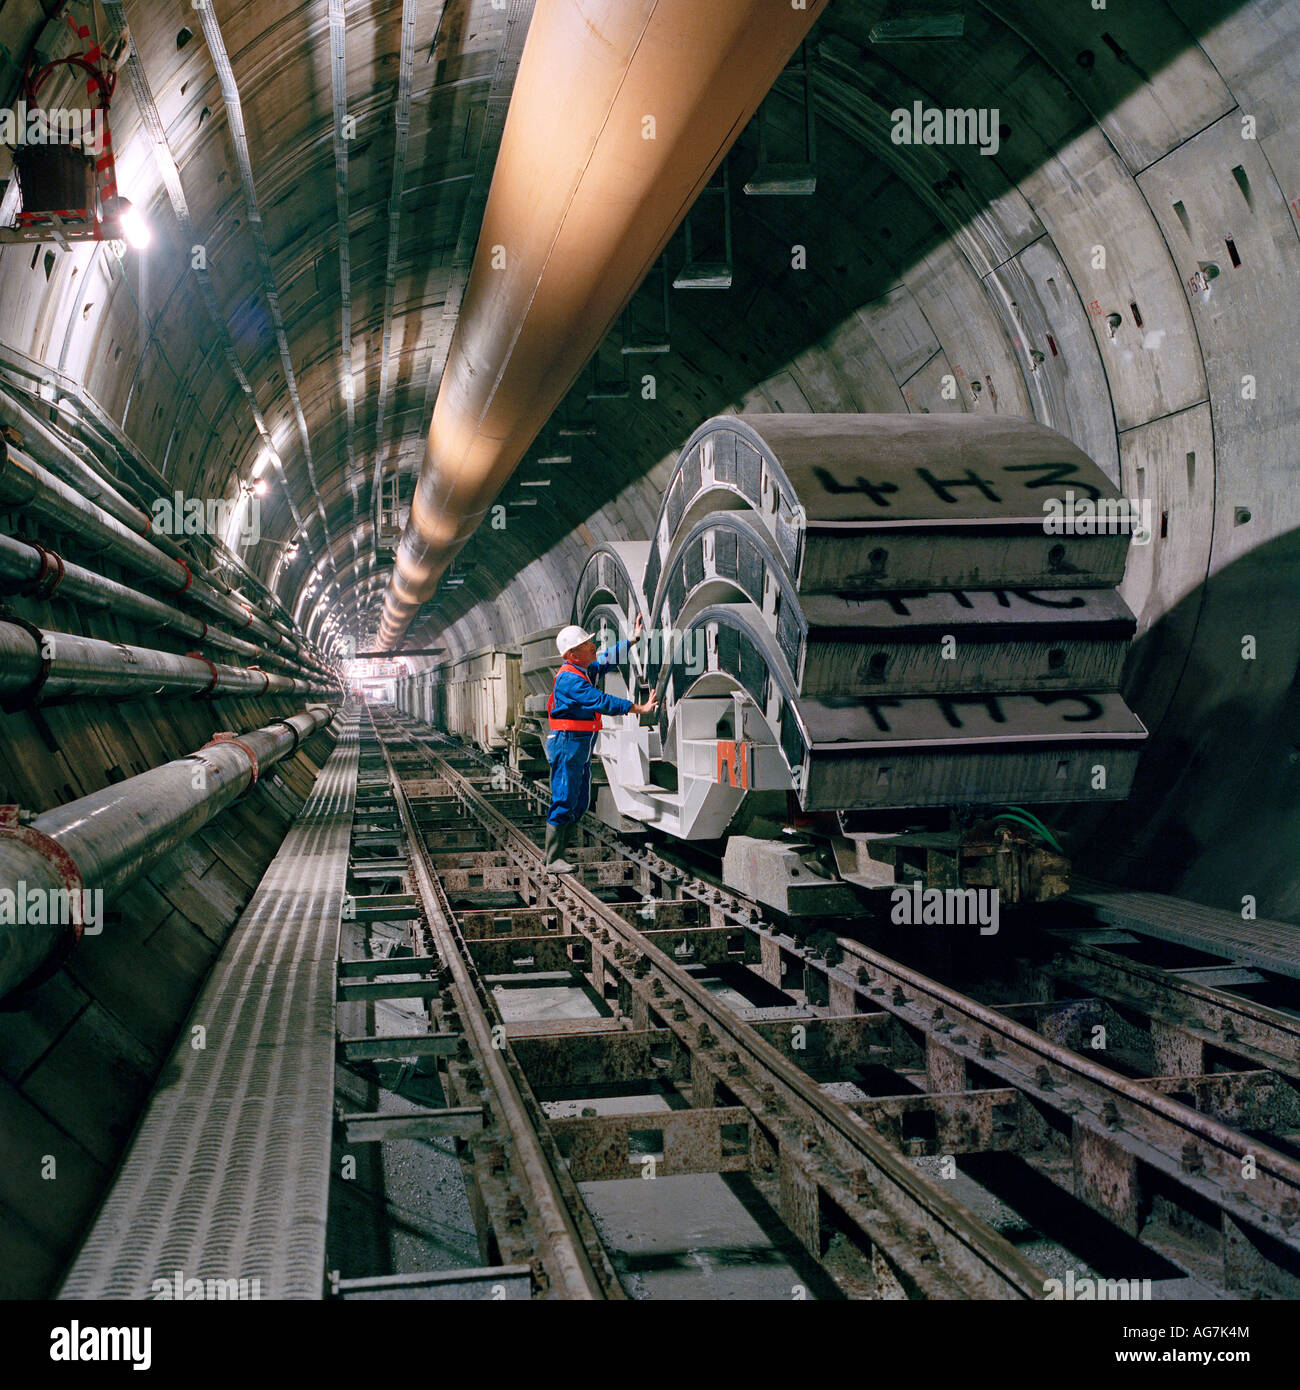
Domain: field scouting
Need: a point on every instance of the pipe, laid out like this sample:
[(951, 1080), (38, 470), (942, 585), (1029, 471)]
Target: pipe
[(43, 444), (26, 485), (47, 448), (40, 441), (57, 665), (146, 479), (585, 196), (102, 841), (23, 567)]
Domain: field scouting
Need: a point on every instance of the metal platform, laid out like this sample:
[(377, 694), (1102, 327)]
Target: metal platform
[(227, 1177), (1270, 945)]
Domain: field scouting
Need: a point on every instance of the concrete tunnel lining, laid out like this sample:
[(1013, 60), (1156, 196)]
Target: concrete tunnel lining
[(1172, 146)]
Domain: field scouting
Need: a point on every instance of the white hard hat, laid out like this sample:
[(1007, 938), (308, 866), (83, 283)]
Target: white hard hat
[(572, 636)]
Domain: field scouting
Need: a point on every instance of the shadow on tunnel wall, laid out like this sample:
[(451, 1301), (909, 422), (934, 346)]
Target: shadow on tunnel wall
[(1214, 812), (878, 210)]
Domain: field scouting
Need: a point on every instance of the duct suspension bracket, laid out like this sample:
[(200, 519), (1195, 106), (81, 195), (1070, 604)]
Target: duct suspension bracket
[(25, 698)]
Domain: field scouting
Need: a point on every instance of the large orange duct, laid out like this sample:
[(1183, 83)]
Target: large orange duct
[(621, 112)]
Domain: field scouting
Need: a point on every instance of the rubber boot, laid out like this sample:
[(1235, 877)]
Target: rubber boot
[(557, 836)]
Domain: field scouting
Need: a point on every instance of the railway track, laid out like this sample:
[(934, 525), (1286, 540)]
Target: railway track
[(917, 1134)]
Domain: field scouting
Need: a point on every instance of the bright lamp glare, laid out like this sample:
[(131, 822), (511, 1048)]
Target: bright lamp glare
[(260, 488), (134, 228)]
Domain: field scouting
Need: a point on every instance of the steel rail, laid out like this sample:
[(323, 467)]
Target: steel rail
[(1277, 1173), (979, 1262), (1201, 1154), (579, 1275), (1205, 1013)]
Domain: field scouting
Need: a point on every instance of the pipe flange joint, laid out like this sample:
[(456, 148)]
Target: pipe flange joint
[(58, 858), (212, 666), (47, 578), (297, 737), (226, 736)]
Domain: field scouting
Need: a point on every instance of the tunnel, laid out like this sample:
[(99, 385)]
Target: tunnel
[(324, 377)]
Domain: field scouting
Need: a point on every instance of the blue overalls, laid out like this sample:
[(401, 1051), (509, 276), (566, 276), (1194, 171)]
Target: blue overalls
[(575, 708)]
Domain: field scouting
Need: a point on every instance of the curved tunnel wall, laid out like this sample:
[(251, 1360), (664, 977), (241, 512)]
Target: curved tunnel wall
[(1107, 197), (1163, 134)]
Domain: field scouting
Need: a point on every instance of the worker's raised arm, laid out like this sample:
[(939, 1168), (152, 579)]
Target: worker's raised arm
[(612, 656)]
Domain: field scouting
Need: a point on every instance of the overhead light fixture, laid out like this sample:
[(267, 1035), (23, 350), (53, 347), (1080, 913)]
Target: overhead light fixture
[(134, 228), (260, 487)]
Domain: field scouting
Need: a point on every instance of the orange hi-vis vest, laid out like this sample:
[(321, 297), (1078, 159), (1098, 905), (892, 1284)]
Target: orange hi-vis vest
[(576, 726)]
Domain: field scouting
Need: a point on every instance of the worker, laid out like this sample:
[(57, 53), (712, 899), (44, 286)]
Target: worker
[(575, 707)]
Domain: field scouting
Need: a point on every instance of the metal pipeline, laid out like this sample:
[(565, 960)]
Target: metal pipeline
[(120, 532), (41, 442), (103, 840), (25, 568), (586, 193), (43, 666), (25, 485), (64, 458)]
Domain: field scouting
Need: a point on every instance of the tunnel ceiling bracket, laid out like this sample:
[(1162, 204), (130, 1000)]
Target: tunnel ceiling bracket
[(796, 178), (708, 275), (642, 339)]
